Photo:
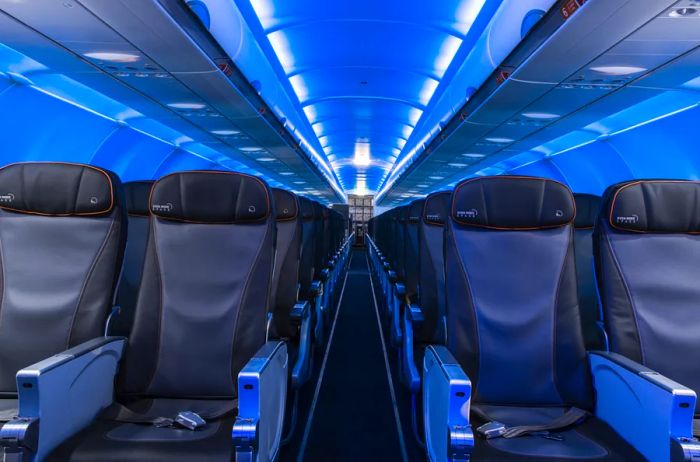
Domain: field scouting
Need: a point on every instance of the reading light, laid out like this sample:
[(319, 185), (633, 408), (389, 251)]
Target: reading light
[(618, 70), (499, 140), (113, 57), (225, 132), (187, 105), (540, 115)]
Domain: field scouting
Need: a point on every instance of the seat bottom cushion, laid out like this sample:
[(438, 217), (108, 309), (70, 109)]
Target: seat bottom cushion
[(593, 440), (110, 441)]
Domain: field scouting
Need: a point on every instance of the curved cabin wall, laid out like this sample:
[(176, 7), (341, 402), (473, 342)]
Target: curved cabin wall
[(38, 126), (664, 148)]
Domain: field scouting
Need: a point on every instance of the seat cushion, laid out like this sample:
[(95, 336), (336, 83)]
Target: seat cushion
[(593, 440), (107, 440)]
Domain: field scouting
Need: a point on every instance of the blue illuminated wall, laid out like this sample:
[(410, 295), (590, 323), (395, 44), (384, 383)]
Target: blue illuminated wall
[(664, 148)]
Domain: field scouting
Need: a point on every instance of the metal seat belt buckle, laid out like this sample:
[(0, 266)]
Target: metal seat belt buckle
[(492, 430), (190, 420)]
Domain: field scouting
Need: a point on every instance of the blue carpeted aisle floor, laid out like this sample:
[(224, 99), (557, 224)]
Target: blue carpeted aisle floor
[(354, 408)]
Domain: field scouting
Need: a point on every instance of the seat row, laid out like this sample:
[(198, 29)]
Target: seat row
[(132, 315), (535, 325)]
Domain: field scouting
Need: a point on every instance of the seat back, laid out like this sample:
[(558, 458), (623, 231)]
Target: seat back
[(285, 276), (432, 267), (62, 237), (398, 240), (647, 254), (319, 262), (203, 301), (411, 243), (512, 308), (306, 261), (137, 194), (587, 208)]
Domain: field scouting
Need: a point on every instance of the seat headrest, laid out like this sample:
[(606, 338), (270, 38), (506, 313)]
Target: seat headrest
[(57, 189), (137, 195), (210, 197), (415, 210), (587, 210), (512, 203), (436, 208), (307, 208), (654, 206), (286, 207)]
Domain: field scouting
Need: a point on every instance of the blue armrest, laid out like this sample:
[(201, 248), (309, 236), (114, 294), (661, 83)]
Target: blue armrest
[(262, 396), (644, 407), (400, 290), (392, 276), (446, 399), (301, 313), (316, 287), (413, 315), (324, 274), (61, 395)]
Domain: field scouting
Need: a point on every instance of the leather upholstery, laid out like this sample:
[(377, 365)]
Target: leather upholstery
[(512, 305), (488, 202), (411, 243), (203, 301), (649, 281), (587, 210), (211, 197), (432, 271), (306, 263), (287, 259), (57, 189), (61, 247), (658, 206), (137, 195)]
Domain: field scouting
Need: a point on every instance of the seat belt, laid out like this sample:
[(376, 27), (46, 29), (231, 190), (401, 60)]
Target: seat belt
[(188, 419), (494, 429)]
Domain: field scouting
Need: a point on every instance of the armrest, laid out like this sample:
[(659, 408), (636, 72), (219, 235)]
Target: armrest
[(61, 395), (316, 288), (644, 407), (262, 395), (392, 276), (400, 290), (324, 274), (411, 377), (446, 399), (302, 367)]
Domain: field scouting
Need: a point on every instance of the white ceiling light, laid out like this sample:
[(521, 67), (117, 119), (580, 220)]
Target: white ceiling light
[(473, 155), (436, 177), (618, 70), (286, 173), (225, 132), (361, 158), (265, 159), (499, 140), (421, 186), (540, 115), (250, 149), (457, 165), (300, 182), (187, 105), (113, 57)]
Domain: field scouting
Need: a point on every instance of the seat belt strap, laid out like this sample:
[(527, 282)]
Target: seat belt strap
[(572, 416), (189, 419)]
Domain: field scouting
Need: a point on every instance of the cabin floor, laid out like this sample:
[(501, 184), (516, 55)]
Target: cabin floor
[(355, 408)]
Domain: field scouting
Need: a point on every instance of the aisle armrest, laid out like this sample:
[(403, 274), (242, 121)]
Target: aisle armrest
[(262, 397), (446, 399), (301, 316), (644, 407), (61, 395)]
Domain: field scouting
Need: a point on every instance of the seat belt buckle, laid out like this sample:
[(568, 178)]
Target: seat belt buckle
[(492, 430), (190, 420)]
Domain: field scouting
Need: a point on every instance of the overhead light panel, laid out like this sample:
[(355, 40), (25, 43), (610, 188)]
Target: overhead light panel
[(186, 105), (113, 57), (618, 70), (540, 115)]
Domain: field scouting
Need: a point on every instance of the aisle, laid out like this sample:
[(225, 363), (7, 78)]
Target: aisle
[(353, 416)]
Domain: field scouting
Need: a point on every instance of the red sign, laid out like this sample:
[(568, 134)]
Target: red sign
[(226, 69), (570, 8)]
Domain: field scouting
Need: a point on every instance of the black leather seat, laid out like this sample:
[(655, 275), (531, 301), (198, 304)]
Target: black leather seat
[(306, 260), (587, 209), (513, 320), (62, 236), (285, 276), (647, 253), (201, 315), (137, 194), (432, 268), (411, 248)]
